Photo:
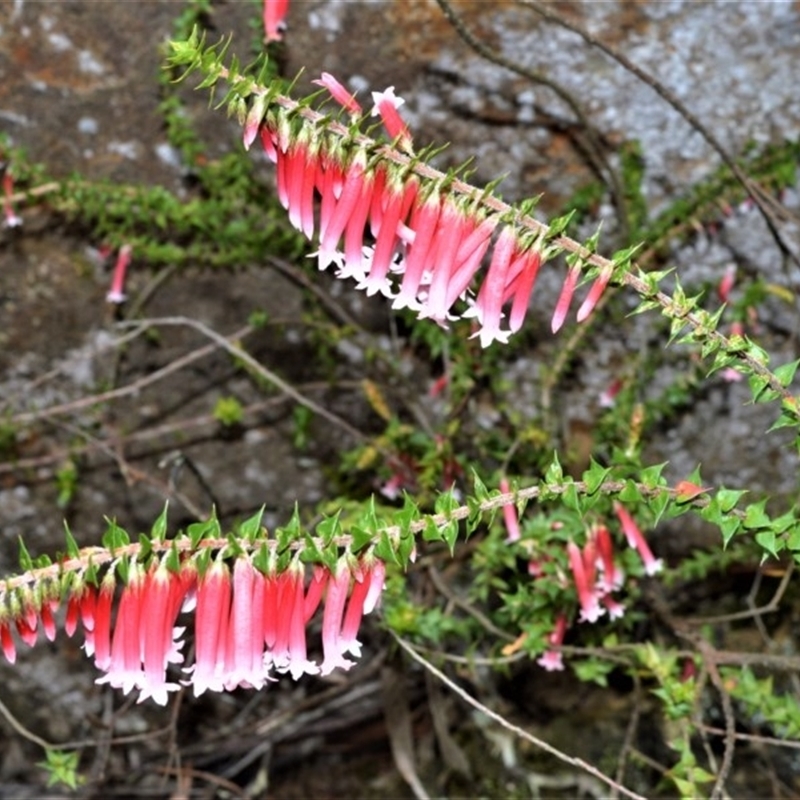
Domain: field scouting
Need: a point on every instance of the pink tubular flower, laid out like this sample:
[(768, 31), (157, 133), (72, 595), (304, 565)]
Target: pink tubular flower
[(489, 303), (386, 242), (423, 225), (354, 612), (48, 623), (98, 637), (313, 597), (726, 283), (386, 105), (7, 642), (377, 579), (565, 298), (510, 515), (117, 292), (526, 267), (352, 195), (252, 124), (595, 293), (551, 660), (652, 565), (274, 19), (332, 646), (299, 663), (608, 396), (582, 572), (245, 640), (125, 665), (211, 629), (12, 220), (612, 574), (339, 93)]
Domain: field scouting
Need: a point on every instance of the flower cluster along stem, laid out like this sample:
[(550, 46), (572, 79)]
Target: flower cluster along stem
[(551, 239)]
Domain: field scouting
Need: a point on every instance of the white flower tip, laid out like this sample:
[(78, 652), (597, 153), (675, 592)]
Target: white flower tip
[(116, 297), (654, 567), (584, 311)]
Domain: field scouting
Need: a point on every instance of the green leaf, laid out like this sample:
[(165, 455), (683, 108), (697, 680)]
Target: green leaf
[(769, 542), (405, 548), (785, 373), (329, 528), (431, 532), (728, 528), (595, 476), (728, 498), (173, 560), (755, 516), (554, 475), (115, 537), (311, 553), (360, 538), (480, 491), (651, 476), (145, 546), (159, 529), (450, 534), (289, 533), (73, 551), (207, 529), (25, 560), (251, 527)]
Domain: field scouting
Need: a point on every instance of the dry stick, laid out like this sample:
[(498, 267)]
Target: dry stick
[(131, 388), (594, 148), (753, 737), (301, 279), (630, 732), (770, 607), (257, 367), (466, 606), (750, 186), (168, 428), (707, 653), (540, 743)]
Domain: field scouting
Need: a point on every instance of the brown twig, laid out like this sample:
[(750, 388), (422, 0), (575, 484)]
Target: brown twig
[(573, 761), (256, 367)]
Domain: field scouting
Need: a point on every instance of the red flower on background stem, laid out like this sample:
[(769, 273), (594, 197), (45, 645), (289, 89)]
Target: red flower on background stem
[(510, 515), (12, 219), (274, 15), (117, 292), (636, 540), (551, 660)]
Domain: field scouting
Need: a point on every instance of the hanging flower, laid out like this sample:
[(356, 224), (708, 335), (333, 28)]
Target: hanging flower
[(410, 239), (247, 623), (552, 660), (582, 564), (12, 219), (116, 293), (510, 515), (274, 15), (636, 540)]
